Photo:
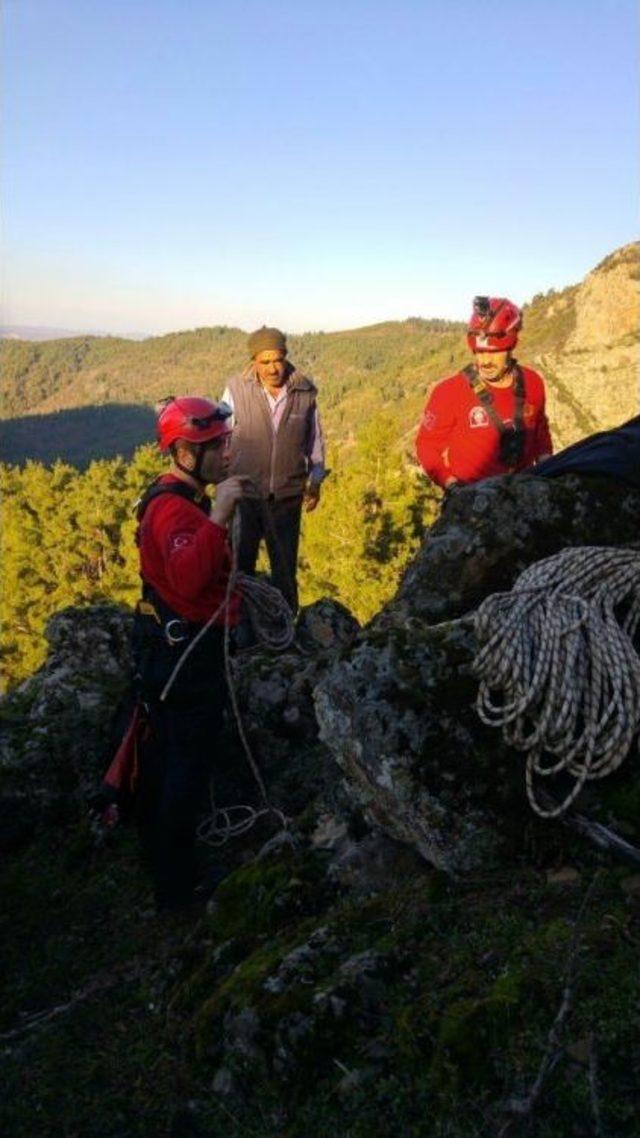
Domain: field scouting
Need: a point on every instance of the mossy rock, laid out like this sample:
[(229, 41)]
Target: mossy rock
[(267, 894), (470, 1033), (251, 905)]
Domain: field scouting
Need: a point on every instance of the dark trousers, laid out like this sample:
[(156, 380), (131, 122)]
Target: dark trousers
[(277, 522), (175, 777), (177, 762)]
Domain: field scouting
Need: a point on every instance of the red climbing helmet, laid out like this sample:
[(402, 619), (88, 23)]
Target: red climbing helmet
[(494, 324), (192, 418)]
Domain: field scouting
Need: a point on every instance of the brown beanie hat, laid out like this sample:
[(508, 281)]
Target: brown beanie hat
[(266, 340)]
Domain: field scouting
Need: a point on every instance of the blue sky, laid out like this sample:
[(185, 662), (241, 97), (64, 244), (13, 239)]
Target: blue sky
[(316, 165)]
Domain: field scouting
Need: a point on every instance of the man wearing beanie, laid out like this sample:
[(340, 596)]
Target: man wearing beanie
[(277, 442)]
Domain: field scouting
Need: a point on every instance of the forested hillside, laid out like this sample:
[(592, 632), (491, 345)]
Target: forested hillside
[(68, 533), (583, 339)]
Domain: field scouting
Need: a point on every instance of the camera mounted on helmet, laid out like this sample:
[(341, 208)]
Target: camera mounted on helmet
[(481, 306), (494, 324)]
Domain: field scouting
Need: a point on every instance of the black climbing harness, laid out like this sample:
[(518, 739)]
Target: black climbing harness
[(175, 628), (511, 437)]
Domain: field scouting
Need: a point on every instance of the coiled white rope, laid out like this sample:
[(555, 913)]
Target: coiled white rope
[(273, 623), (270, 616), (557, 666)]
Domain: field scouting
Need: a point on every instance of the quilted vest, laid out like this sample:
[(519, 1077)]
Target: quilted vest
[(276, 461)]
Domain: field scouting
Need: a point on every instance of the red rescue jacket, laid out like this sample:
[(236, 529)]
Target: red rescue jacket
[(457, 439), (185, 557)]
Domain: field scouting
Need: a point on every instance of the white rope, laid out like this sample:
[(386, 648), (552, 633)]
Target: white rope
[(219, 828), (557, 666), (270, 616), (273, 624)]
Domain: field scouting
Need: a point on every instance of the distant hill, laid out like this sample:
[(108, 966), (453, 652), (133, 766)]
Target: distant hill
[(584, 339), (38, 332)]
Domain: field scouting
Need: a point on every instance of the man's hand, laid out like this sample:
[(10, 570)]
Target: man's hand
[(311, 496), (451, 481), (228, 494)]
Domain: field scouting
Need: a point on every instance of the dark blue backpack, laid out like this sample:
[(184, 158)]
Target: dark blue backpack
[(614, 454)]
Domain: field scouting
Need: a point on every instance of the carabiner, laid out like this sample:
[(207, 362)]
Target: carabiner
[(171, 637)]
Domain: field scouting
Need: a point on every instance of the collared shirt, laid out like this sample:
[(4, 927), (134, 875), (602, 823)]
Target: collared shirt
[(315, 442)]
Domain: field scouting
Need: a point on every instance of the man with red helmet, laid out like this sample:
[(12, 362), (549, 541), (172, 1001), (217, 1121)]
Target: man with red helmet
[(184, 564), (489, 418)]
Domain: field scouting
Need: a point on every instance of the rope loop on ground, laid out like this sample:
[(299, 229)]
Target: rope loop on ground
[(557, 668), (220, 827)]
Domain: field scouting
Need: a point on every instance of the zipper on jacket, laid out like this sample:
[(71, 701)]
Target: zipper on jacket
[(274, 438), (272, 476)]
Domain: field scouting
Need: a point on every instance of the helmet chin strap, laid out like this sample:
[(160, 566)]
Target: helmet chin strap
[(196, 472)]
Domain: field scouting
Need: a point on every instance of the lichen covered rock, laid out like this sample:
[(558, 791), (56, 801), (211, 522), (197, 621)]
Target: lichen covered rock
[(275, 690), (56, 725), (490, 531), (398, 717), (397, 710)]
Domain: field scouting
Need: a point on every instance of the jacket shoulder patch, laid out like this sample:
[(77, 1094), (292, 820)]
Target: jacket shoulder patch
[(478, 417)]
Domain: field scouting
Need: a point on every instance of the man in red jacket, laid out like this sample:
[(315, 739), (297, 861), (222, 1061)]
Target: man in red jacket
[(490, 417), (184, 564)]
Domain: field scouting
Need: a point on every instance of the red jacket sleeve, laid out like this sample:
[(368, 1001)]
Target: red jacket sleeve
[(437, 423), (194, 550), (543, 443)]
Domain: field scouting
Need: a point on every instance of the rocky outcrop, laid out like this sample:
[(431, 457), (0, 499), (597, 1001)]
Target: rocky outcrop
[(61, 726), (608, 306), (337, 983), (489, 532), (392, 705), (398, 712), (56, 725), (275, 692)]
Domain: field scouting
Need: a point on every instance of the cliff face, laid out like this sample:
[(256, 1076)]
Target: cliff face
[(585, 342), (607, 304)]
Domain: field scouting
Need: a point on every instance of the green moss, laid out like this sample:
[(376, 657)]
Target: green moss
[(470, 1033), (270, 893), (244, 987), (348, 929), (254, 902)]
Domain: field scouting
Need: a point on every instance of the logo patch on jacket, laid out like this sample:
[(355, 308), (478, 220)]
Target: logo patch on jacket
[(180, 541), (478, 417), (428, 420)]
